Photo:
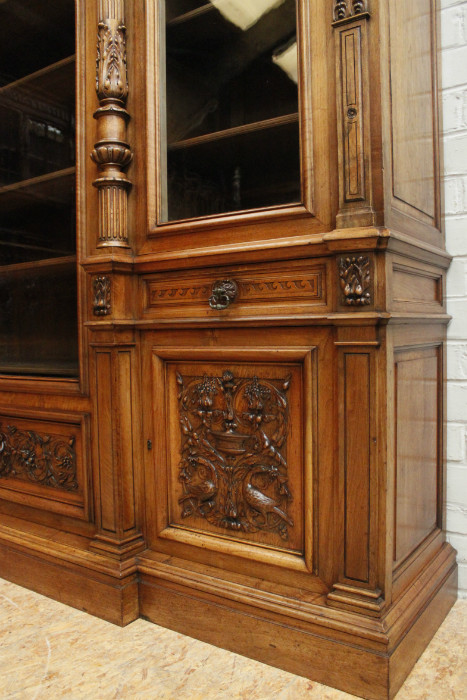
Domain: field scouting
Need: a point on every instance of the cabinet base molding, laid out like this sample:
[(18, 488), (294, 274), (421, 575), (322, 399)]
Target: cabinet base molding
[(289, 628), (70, 574), (370, 658)]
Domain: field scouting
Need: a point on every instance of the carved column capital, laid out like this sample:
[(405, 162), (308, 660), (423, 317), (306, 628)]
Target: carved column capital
[(348, 10), (112, 153)]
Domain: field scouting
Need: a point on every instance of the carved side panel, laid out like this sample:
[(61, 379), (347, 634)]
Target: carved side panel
[(41, 462), (236, 463), (112, 153)]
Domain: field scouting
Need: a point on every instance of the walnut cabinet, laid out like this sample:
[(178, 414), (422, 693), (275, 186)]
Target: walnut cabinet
[(222, 364)]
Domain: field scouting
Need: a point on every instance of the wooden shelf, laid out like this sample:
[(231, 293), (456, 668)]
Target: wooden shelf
[(41, 266), (51, 188), (254, 127), (56, 80), (48, 369), (193, 14)]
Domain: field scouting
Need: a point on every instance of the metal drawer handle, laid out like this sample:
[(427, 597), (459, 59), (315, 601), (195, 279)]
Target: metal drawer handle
[(224, 292)]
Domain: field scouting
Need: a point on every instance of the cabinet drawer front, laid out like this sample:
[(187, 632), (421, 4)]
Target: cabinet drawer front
[(261, 290)]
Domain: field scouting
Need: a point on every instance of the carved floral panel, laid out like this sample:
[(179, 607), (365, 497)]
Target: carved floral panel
[(47, 460), (239, 467)]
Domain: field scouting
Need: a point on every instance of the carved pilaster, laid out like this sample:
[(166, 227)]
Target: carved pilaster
[(353, 119), (111, 152), (359, 583), (116, 424)]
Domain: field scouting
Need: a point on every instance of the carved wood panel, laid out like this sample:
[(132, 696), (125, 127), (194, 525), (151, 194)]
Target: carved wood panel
[(234, 437), (44, 459), (236, 458), (41, 462)]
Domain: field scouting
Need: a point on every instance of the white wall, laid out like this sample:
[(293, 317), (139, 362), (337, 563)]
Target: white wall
[(454, 83)]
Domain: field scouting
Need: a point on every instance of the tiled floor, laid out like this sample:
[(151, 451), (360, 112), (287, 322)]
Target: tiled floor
[(48, 650)]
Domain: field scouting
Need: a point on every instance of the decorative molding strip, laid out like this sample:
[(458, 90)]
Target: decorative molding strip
[(102, 296), (234, 437), (348, 10), (44, 459), (112, 153), (355, 280)]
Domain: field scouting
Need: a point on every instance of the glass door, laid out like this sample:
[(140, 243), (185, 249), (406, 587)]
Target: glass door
[(38, 297), (229, 107)]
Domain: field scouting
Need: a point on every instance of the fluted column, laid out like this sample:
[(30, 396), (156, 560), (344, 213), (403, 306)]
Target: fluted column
[(112, 152)]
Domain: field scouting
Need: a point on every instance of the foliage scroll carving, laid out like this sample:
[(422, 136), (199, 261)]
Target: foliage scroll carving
[(49, 460), (233, 466)]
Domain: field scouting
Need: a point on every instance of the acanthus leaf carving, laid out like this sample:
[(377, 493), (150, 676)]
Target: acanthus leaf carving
[(355, 280), (112, 153), (102, 296), (48, 460), (111, 72), (234, 436)]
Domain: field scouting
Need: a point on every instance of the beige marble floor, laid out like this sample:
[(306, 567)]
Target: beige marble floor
[(48, 650)]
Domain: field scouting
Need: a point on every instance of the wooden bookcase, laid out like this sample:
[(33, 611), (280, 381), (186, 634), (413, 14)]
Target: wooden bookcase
[(222, 348)]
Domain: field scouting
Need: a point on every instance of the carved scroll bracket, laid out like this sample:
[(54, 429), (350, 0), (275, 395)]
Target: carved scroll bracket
[(112, 153)]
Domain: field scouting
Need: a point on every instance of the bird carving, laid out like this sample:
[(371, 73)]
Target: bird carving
[(259, 501), (200, 482)]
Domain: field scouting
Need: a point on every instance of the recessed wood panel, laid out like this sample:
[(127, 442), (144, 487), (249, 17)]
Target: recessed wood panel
[(417, 378), (417, 288), (357, 407), (412, 105)]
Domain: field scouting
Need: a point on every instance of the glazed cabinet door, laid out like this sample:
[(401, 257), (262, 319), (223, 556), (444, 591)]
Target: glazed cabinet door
[(38, 317), (232, 452)]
